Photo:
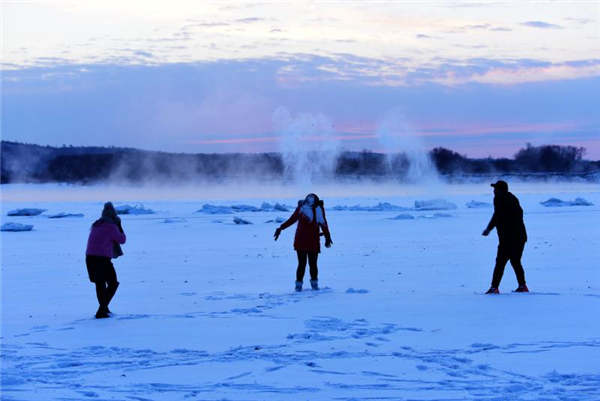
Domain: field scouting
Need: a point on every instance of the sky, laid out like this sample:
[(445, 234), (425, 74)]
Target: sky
[(481, 78)]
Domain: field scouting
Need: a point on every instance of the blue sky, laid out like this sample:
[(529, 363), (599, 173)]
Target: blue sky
[(482, 78)]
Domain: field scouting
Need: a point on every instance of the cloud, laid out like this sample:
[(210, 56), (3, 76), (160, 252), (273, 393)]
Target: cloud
[(227, 106), (143, 53), (249, 20), (541, 24), (423, 36), (477, 26), (582, 21)]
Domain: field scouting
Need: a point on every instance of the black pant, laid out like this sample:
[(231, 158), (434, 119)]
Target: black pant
[(506, 252), (312, 262), (103, 274)]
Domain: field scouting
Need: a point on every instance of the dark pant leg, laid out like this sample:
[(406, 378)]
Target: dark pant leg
[(501, 259), (515, 260), (101, 294), (111, 282), (312, 262), (302, 256), (105, 278)]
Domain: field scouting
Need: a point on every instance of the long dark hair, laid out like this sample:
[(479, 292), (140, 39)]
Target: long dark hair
[(109, 215)]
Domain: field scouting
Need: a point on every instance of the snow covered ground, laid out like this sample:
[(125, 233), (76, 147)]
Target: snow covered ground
[(206, 308)]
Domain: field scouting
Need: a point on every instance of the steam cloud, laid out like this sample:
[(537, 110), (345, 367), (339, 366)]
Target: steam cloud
[(308, 146), (397, 137)]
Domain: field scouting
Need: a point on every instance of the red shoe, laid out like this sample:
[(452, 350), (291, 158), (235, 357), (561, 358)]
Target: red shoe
[(522, 288), (492, 290)]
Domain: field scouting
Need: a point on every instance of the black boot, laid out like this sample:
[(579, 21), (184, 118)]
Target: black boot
[(102, 313)]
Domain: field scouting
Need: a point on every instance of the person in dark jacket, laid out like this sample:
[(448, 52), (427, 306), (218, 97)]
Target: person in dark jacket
[(103, 244), (310, 215), (508, 221)]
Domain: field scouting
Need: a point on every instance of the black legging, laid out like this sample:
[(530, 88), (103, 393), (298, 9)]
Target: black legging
[(312, 262), (506, 252), (102, 273)]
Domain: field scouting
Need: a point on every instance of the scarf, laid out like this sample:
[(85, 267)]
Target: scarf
[(309, 211)]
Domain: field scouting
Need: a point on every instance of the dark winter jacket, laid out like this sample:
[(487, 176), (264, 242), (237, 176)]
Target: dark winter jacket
[(508, 219), (307, 232)]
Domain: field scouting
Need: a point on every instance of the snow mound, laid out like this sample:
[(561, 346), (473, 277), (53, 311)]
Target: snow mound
[(555, 202), (477, 205), (276, 220), (436, 216), (16, 227), (380, 207), (63, 215), (171, 220), (267, 207), (434, 204), (356, 291), (245, 208), (239, 220), (403, 216), (135, 209), (26, 212), (213, 209)]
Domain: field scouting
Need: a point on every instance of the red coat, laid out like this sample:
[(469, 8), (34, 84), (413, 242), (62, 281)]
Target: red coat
[(307, 232)]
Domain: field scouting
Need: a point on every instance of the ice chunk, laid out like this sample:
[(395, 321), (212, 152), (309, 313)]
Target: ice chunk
[(213, 209), (403, 216), (245, 208), (281, 208), (380, 207), (63, 215), (581, 202), (435, 216), (434, 204), (16, 227), (170, 220), (239, 220), (276, 220), (267, 207), (26, 212), (555, 202), (135, 209), (356, 291), (478, 205)]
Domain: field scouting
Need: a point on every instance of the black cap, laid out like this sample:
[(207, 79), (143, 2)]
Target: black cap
[(501, 185)]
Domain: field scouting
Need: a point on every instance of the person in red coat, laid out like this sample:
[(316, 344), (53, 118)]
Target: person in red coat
[(310, 215), (103, 244)]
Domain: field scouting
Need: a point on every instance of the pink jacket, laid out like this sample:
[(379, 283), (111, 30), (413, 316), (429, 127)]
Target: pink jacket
[(101, 239)]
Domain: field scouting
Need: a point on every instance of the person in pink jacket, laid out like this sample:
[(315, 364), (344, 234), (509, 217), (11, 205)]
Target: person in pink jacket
[(103, 244)]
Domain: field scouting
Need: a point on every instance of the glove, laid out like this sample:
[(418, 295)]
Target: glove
[(277, 233), (485, 232), (328, 243)]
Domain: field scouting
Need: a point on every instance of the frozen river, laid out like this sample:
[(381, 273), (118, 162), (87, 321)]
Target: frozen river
[(206, 308)]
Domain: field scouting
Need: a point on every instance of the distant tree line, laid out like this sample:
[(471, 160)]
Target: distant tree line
[(531, 159), (33, 163)]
